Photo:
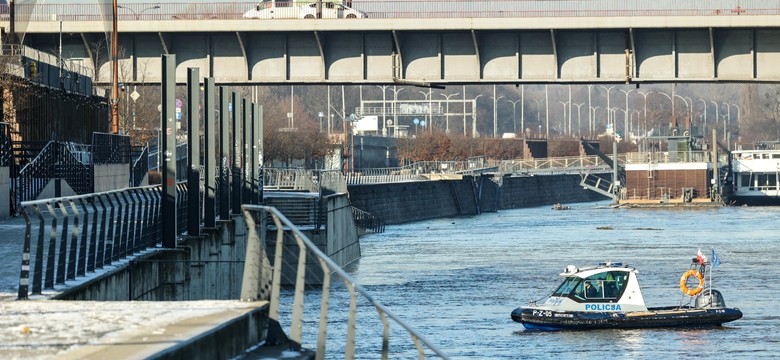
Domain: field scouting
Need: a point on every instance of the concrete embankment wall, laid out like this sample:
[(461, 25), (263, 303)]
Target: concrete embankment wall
[(420, 200), (111, 177), (415, 200), (205, 267)]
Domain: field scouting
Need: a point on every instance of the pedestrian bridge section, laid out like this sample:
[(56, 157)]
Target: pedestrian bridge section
[(565, 49)]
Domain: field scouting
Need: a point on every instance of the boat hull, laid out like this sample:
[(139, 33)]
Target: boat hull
[(535, 319)]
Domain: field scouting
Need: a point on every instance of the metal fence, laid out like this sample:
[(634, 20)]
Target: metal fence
[(398, 9), (140, 167), (85, 233), (6, 146), (365, 220), (263, 218), (55, 161), (110, 148)]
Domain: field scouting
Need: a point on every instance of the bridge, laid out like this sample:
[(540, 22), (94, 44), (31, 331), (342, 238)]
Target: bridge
[(428, 42)]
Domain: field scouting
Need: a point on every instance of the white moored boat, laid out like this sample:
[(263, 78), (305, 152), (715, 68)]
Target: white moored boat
[(609, 296), (755, 177)]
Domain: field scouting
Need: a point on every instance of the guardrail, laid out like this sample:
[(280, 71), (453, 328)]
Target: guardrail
[(263, 218), (398, 9), (95, 231)]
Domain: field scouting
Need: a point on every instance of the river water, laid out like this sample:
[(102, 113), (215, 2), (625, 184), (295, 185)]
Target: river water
[(456, 280)]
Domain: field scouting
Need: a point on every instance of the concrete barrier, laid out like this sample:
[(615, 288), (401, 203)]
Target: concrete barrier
[(111, 177)]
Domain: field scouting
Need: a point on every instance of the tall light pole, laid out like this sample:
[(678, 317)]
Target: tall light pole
[(564, 103), (590, 115), (608, 89), (704, 102), (538, 105), (625, 127), (522, 109), (495, 111), (447, 115), (592, 112), (716, 113), (668, 97), (384, 106), (644, 114), (428, 95), (474, 118), (547, 113), (687, 107), (395, 91), (728, 117), (114, 70), (514, 116), (579, 122), (737, 121), (464, 110)]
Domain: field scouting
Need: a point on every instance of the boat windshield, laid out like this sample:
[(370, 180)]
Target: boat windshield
[(567, 286)]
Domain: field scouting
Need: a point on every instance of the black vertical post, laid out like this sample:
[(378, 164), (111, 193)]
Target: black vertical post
[(258, 163), (193, 151), (208, 143), (168, 205), (246, 168), (237, 139), (253, 157), (224, 154)]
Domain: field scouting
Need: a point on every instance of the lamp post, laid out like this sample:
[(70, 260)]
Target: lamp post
[(138, 13), (737, 121), (593, 115), (538, 105), (579, 121), (590, 115), (514, 116), (395, 91), (546, 113), (428, 95), (728, 117), (447, 114), (644, 114), (564, 103), (668, 97), (384, 107), (474, 117), (704, 102), (495, 111), (625, 126), (320, 115), (608, 89), (522, 109)]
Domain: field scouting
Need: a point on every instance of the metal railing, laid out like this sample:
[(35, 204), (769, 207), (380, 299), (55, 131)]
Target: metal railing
[(140, 167), (366, 220), (262, 218), (668, 157), (55, 161), (6, 145), (398, 9), (85, 234), (554, 165), (289, 180)]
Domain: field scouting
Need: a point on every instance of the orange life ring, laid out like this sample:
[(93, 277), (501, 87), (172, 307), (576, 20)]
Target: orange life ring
[(684, 282)]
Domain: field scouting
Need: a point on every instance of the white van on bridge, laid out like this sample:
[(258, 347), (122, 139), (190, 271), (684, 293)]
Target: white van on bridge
[(273, 9)]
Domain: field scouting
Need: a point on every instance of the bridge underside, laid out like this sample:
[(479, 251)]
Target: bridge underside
[(439, 57)]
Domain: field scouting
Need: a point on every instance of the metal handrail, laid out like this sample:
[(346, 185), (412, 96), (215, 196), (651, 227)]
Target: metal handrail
[(250, 287), (398, 9)]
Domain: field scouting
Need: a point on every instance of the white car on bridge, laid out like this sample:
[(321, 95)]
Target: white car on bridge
[(293, 10)]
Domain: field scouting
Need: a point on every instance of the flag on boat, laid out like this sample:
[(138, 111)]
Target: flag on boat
[(715, 259), (700, 259)]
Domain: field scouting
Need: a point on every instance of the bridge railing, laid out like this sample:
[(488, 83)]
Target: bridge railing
[(399, 9), (295, 266)]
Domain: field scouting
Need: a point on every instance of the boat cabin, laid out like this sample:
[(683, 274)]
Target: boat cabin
[(607, 287)]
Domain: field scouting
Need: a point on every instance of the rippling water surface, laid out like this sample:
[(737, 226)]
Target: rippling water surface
[(456, 280)]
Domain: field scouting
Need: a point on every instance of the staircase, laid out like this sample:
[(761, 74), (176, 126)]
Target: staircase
[(599, 185)]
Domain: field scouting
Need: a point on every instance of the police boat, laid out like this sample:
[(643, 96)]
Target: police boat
[(608, 296)]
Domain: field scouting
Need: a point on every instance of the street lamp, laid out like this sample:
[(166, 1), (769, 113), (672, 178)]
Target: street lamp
[(447, 114), (138, 13), (384, 107), (538, 105), (668, 97), (704, 102), (579, 121), (644, 114), (737, 106), (495, 111), (428, 96), (593, 115), (474, 117), (514, 116), (395, 91), (320, 115), (564, 103), (625, 127), (608, 89)]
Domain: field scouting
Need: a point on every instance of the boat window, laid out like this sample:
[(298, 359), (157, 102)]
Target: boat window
[(602, 286), (775, 156), (745, 180), (566, 287)]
